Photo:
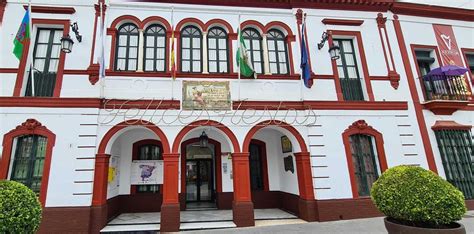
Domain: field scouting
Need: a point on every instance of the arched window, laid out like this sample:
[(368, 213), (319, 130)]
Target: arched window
[(155, 48), (365, 156), (365, 163), (26, 156), (253, 41), (191, 49), (277, 52), (217, 50), (28, 160), (148, 151), (127, 48)]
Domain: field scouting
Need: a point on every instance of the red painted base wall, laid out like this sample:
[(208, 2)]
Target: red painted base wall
[(92, 219)]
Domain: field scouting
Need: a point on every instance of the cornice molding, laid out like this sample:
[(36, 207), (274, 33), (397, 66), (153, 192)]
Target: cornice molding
[(51, 9), (329, 21)]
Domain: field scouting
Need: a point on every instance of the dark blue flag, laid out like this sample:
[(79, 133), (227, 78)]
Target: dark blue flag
[(305, 69)]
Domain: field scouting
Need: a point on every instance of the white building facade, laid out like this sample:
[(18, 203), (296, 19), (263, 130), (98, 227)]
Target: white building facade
[(215, 136)]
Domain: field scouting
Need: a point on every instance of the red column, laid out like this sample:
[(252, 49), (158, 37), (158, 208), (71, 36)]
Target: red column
[(170, 207), (242, 206), (307, 204), (99, 195), (101, 172)]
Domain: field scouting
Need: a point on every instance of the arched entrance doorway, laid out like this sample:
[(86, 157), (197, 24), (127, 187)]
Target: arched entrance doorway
[(201, 174), (213, 163), (119, 146), (280, 169)]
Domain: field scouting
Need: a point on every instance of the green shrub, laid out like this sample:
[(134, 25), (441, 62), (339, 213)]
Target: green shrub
[(20, 209), (418, 197)]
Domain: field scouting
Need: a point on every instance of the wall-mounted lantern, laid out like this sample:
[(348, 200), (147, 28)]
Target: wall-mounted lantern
[(66, 44), (203, 140), (334, 50)]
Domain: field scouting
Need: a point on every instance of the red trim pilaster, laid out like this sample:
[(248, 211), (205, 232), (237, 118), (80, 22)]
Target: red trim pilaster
[(305, 179), (170, 216), (101, 172), (307, 203), (392, 75), (3, 5), (414, 95), (242, 206), (335, 72)]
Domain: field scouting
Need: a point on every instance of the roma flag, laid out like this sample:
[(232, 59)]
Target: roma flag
[(173, 62), (21, 36)]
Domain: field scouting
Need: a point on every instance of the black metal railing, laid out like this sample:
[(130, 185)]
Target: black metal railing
[(44, 84), (352, 89), (443, 87)]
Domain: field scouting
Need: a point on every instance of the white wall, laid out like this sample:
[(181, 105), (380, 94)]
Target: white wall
[(278, 178)]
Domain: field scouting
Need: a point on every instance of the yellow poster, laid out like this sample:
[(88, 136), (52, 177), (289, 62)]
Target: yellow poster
[(111, 176)]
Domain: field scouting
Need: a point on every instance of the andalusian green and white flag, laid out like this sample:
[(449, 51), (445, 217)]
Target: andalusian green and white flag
[(22, 35), (243, 59)]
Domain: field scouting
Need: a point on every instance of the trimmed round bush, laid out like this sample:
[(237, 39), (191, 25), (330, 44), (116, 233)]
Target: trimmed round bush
[(20, 209), (418, 197)]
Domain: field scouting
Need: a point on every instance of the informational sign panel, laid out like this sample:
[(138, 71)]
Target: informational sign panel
[(146, 172), (447, 45), (209, 95)]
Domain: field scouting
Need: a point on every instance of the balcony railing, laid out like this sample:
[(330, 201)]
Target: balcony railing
[(352, 89), (44, 84), (443, 87)]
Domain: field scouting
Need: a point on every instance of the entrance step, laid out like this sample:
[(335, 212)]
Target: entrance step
[(206, 225), (201, 208), (131, 228)]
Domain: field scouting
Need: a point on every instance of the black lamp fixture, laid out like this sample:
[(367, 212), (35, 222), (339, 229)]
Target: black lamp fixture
[(203, 140), (334, 50), (66, 44), (75, 29)]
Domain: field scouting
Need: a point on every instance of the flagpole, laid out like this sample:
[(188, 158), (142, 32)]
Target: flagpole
[(30, 51), (172, 49), (102, 59), (238, 62)]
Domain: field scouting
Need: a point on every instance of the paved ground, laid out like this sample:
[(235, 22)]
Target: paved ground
[(372, 225)]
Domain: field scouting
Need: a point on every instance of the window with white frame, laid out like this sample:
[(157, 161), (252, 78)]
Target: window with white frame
[(28, 161), (191, 49), (46, 60), (253, 41), (127, 48), (217, 50), (277, 52), (154, 52), (349, 76)]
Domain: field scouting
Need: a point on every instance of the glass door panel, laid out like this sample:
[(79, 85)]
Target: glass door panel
[(205, 180), (191, 180)]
